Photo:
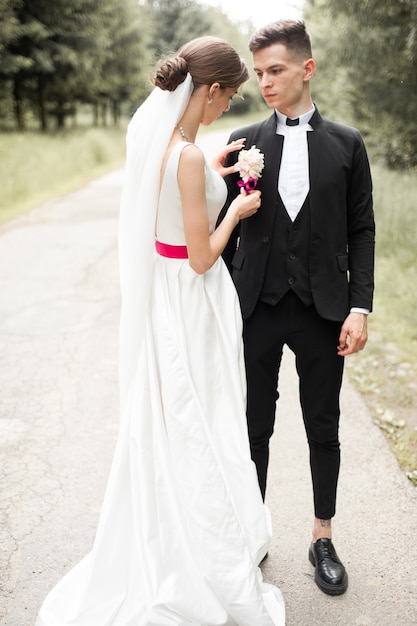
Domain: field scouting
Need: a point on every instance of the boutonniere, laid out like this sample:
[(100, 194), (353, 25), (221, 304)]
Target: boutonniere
[(250, 164)]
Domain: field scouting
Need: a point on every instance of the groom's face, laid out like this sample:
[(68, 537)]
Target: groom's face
[(282, 78)]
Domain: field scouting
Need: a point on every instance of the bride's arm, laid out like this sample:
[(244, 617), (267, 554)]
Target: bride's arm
[(204, 249)]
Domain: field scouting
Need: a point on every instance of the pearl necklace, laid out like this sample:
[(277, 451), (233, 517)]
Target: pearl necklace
[(183, 134)]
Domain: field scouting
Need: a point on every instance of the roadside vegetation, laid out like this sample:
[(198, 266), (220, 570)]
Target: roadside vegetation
[(386, 371), (35, 167)]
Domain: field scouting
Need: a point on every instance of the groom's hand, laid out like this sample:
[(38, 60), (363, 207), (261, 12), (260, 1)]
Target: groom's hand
[(354, 334)]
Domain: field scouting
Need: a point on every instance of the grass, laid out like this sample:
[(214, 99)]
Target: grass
[(35, 167), (386, 371)]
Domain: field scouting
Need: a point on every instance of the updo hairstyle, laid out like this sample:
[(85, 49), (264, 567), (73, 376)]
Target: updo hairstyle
[(208, 59)]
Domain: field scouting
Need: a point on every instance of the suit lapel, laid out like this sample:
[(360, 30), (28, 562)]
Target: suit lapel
[(314, 157), (271, 146), (315, 142), (272, 154)]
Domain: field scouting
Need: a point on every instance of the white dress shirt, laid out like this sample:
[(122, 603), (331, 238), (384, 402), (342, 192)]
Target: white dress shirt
[(294, 179)]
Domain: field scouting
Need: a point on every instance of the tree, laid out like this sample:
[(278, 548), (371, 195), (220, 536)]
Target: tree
[(56, 55), (10, 31), (61, 44), (174, 22), (124, 68), (369, 50), (68, 52)]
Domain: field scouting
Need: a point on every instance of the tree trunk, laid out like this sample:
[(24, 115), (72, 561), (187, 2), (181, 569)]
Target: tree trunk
[(60, 119), (43, 115), (19, 106), (115, 112), (95, 114), (103, 108)]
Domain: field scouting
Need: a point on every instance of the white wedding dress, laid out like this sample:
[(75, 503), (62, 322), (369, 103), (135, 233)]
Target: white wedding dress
[(183, 526)]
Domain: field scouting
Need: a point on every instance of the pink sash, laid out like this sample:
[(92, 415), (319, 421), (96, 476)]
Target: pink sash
[(172, 252)]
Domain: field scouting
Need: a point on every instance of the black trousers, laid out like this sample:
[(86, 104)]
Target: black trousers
[(314, 342)]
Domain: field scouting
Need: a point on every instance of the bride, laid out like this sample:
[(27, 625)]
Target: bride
[(183, 526)]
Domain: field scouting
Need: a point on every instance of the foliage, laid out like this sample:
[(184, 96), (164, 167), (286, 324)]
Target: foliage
[(59, 43), (174, 22), (178, 21), (367, 58), (122, 77), (56, 56), (70, 51)]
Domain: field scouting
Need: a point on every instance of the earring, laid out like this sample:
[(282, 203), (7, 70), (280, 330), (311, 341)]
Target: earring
[(210, 101)]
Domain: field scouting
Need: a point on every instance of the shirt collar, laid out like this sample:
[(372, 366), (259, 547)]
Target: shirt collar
[(304, 118)]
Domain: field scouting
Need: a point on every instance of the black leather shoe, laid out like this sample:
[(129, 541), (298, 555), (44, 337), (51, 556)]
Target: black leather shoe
[(330, 574)]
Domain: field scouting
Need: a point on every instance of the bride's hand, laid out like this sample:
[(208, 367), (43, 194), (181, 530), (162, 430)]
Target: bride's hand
[(217, 163), (246, 204)]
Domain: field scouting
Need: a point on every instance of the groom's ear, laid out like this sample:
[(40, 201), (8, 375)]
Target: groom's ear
[(309, 69)]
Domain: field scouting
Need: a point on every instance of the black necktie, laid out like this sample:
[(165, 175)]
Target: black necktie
[(291, 122)]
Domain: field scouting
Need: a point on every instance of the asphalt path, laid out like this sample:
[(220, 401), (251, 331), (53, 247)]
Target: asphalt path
[(59, 313)]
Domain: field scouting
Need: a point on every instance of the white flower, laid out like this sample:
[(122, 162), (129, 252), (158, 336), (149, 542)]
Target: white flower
[(250, 164)]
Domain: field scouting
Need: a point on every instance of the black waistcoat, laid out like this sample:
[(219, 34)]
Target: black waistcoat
[(288, 261)]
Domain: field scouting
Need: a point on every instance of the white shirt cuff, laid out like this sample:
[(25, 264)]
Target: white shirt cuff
[(357, 309)]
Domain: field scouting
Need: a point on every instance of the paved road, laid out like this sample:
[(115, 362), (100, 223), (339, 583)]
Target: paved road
[(59, 417)]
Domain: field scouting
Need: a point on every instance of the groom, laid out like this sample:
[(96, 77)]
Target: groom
[(303, 268)]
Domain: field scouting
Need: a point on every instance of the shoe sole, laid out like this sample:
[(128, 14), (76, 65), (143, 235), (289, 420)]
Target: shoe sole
[(331, 590)]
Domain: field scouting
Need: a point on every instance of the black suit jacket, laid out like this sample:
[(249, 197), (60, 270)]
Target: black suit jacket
[(342, 233)]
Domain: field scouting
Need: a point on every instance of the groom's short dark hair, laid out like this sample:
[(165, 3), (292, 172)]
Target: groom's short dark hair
[(290, 33)]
